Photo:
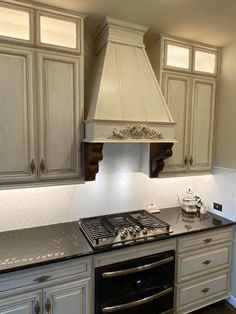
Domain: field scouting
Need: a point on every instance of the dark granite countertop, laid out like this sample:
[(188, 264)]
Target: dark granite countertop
[(183, 223), (43, 245)]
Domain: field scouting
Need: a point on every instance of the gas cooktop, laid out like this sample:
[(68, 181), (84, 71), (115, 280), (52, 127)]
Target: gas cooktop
[(123, 228)]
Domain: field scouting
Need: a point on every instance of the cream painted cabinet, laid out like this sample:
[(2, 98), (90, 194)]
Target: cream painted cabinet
[(48, 149), (70, 298), (17, 138), (176, 88), (192, 102), (202, 123), (41, 90), (25, 303), (59, 116), (60, 288), (203, 273), (188, 73)]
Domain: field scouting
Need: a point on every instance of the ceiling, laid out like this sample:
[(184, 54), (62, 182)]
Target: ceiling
[(208, 21)]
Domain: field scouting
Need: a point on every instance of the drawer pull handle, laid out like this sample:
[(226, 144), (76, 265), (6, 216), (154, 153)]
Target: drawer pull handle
[(207, 262), (208, 240), (42, 279), (205, 290)]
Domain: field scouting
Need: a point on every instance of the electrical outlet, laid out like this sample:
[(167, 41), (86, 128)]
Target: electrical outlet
[(218, 206)]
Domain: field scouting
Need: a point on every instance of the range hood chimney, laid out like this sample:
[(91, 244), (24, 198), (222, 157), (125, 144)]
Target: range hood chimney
[(126, 103)]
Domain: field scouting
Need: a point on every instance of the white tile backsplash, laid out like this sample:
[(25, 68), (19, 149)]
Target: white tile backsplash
[(119, 187)]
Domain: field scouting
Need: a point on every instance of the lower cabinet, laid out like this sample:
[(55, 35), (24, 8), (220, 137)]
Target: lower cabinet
[(198, 293), (203, 272), (203, 276), (71, 298), (56, 289), (24, 303)]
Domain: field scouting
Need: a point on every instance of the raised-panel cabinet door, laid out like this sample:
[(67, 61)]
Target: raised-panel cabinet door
[(72, 298), (59, 116), (17, 160), (202, 124), (176, 92), (28, 303)]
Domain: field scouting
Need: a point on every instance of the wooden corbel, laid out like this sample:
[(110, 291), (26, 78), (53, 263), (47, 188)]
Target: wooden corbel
[(158, 153), (92, 156)]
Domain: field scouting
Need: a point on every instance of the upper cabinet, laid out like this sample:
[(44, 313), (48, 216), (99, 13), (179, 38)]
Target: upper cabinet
[(17, 133), (177, 56), (41, 87), (60, 32), (188, 75), (58, 116), (16, 23), (190, 58)]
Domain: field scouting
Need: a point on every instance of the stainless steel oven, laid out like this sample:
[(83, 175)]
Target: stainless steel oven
[(139, 286)]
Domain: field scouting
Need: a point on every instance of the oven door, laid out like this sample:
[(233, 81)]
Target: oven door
[(143, 285)]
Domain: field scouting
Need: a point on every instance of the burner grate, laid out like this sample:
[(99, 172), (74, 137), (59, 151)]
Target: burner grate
[(99, 229), (149, 221)]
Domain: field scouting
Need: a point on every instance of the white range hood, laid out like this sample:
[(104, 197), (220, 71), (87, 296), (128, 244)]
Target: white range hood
[(126, 103)]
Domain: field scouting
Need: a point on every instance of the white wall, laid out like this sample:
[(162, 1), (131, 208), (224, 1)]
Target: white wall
[(225, 152), (225, 144)]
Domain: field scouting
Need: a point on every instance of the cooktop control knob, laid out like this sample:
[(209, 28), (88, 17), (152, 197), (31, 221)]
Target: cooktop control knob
[(131, 230), (145, 231), (125, 231), (137, 229), (123, 235)]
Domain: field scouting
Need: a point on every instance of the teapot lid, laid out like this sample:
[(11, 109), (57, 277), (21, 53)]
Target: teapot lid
[(189, 196)]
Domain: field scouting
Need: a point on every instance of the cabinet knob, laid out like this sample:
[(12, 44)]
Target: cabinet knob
[(37, 308), (32, 166), (191, 161), (207, 262), (205, 290), (48, 305), (42, 166), (185, 160)]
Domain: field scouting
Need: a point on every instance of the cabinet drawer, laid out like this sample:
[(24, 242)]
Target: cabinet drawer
[(205, 261), (34, 277), (205, 239), (201, 292)]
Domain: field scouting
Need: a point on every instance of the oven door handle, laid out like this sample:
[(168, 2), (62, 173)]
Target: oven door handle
[(137, 269), (129, 305)]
